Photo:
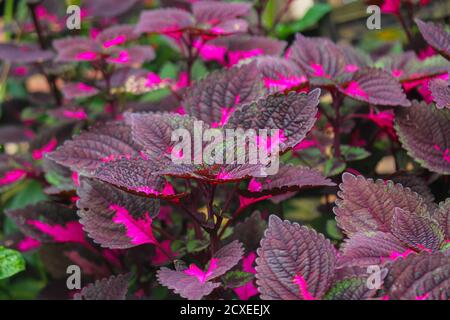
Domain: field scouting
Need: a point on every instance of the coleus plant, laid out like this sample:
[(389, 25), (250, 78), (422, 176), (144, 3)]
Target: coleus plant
[(98, 186)]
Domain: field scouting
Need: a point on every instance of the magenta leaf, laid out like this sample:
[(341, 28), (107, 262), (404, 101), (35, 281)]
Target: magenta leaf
[(375, 86), (293, 114), (289, 178), (23, 53), (419, 277), (425, 134), (112, 288), (113, 218), (294, 262), (214, 98), (440, 91), (436, 35), (365, 205), (48, 222), (418, 232)]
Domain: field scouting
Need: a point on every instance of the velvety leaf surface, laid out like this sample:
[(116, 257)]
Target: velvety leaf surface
[(368, 205), (375, 86), (436, 35), (440, 91), (369, 248), (424, 132), (294, 262), (289, 178), (419, 277), (112, 288), (214, 98), (293, 114), (22, 53), (418, 232), (113, 218)]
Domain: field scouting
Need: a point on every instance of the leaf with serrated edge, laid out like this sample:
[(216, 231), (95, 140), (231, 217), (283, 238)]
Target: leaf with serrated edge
[(112, 288), (436, 35), (440, 91), (289, 250)]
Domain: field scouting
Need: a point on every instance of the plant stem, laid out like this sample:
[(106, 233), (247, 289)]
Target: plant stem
[(405, 28), (337, 100)]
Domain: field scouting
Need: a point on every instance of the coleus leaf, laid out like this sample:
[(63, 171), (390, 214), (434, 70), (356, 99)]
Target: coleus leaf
[(116, 35), (78, 90), (440, 91), (289, 178), (419, 277), (368, 205), (113, 218), (293, 114), (354, 288), (72, 48), (371, 248), (214, 98), (280, 74), (294, 262), (436, 35), (425, 134), (11, 262), (212, 12), (112, 288), (375, 86), (48, 222), (194, 283), (416, 184), (166, 21), (250, 231), (23, 53), (321, 60), (99, 145), (417, 232), (442, 216)]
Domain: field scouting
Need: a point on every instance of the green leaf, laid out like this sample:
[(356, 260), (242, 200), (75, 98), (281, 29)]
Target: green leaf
[(268, 15), (234, 279), (168, 70), (199, 70), (311, 18), (11, 262), (332, 230), (333, 167), (351, 153), (341, 287), (31, 193)]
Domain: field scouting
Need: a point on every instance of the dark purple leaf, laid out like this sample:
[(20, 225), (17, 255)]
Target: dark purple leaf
[(76, 49), (166, 21), (250, 231), (425, 134), (436, 35), (375, 86), (23, 53), (110, 8), (74, 90), (365, 205), (293, 114), (294, 262), (214, 98), (418, 232), (113, 218), (214, 12), (112, 288), (419, 277), (440, 91), (442, 216)]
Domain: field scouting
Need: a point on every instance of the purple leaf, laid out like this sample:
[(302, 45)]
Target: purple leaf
[(110, 8), (227, 257), (293, 114), (375, 86), (116, 35), (23, 53), (112, 288), (440, 91), (368, 205), (250, 231), (76, 49), (214, 12), (289, 178), (419, 277), (418, 232), (74, 90), (48, 222), (294, 262), (425, 134), (442, 216), (436, 35), (166, 21), (96, 147), (113, 218), (214, 98), (370, 248)]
